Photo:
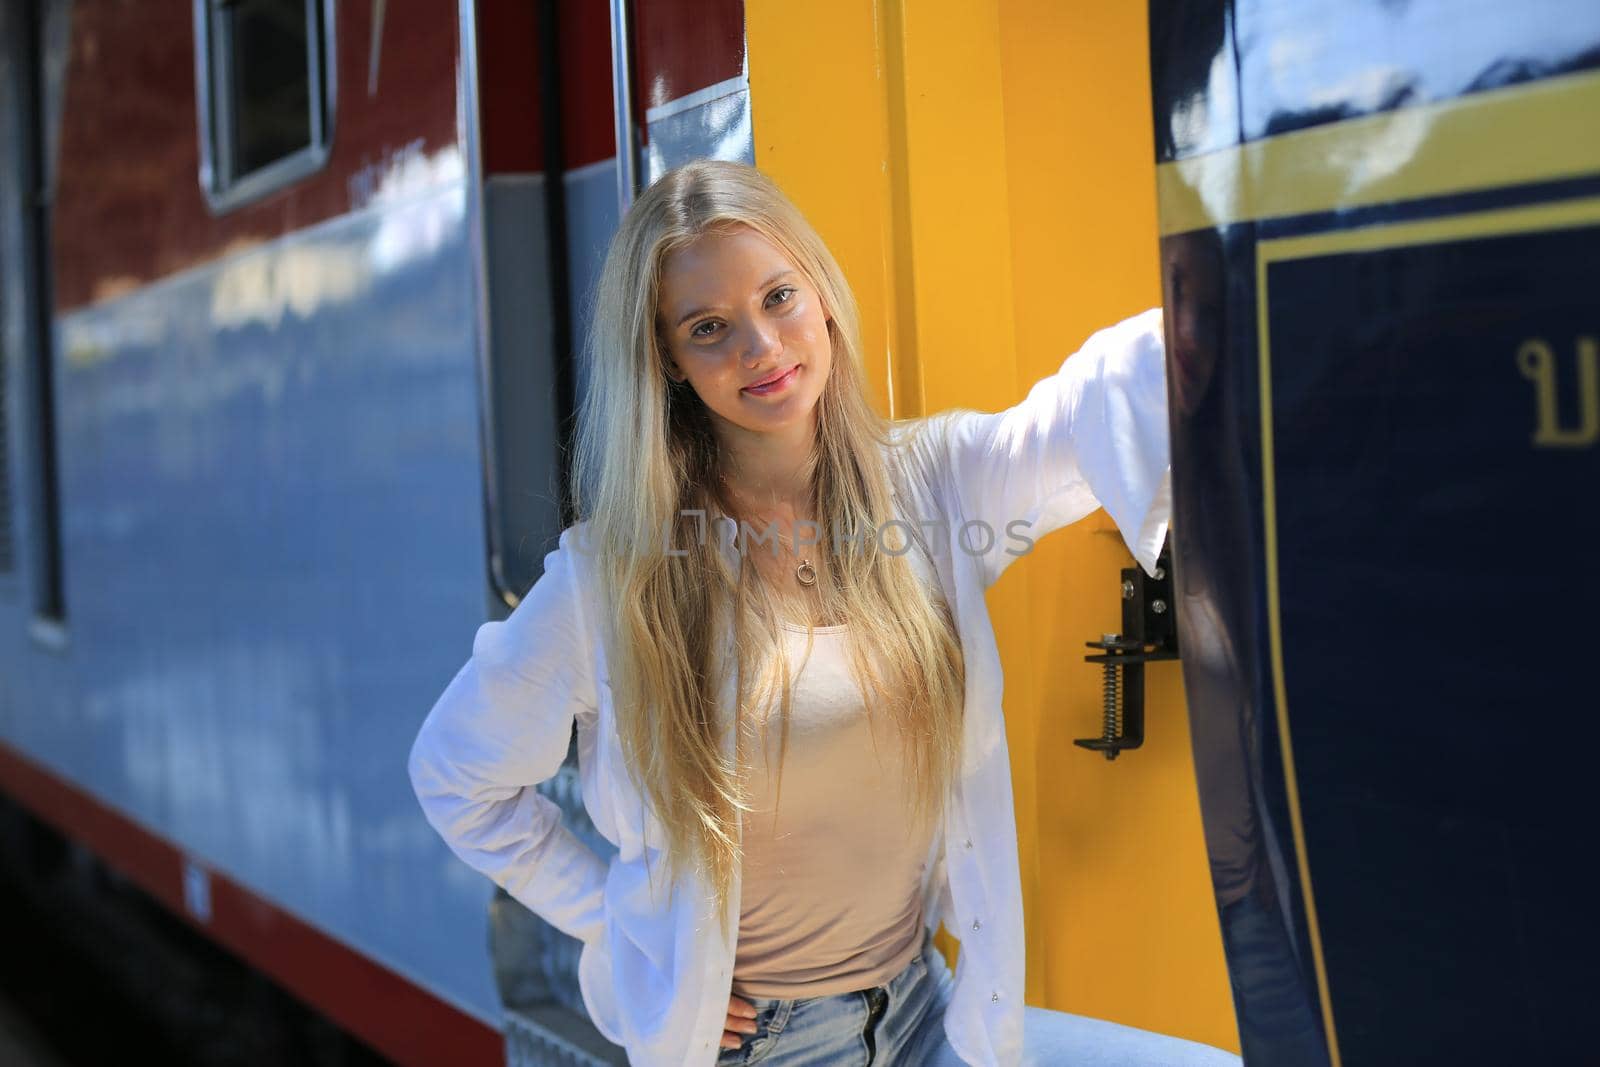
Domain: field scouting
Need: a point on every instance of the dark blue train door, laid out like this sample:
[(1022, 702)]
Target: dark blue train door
[(1381, 234)]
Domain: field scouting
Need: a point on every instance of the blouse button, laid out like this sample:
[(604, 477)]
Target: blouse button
[(976, 925), (969, 842), (995, 996)]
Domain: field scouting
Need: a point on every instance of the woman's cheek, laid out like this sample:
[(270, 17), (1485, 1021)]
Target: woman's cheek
[(811, 334)]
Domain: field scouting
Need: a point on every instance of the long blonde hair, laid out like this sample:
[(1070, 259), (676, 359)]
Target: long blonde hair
[(646, 451)]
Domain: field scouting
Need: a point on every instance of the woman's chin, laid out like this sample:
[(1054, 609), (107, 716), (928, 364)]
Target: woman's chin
[(769, 419)]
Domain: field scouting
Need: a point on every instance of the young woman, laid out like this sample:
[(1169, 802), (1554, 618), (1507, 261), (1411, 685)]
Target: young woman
[(769, 626)]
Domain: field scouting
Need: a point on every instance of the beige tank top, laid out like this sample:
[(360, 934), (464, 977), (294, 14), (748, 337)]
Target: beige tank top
[(831, 898)]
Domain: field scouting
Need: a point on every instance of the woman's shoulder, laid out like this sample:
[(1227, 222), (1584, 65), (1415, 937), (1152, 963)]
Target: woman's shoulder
[(554, 610), (571, 566), (577, 557), (576, 550), (917, 455)]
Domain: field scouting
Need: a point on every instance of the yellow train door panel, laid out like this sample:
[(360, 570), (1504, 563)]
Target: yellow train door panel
[(984, 173)]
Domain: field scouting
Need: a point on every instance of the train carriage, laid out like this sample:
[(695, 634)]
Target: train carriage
[(292, 302)]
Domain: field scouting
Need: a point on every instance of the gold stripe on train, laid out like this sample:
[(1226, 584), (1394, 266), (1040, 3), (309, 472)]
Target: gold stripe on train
[(1538, 131)]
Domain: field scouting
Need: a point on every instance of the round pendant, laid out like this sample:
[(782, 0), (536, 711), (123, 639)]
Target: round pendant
[(806, 573)]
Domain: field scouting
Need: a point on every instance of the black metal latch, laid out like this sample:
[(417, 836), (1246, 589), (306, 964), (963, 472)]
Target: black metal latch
[(1149, 632)]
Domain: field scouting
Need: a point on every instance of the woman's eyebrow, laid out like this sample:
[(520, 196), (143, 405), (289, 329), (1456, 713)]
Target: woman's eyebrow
[(701, 311)]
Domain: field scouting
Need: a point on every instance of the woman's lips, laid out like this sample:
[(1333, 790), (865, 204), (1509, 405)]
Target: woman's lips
[(775, 386)]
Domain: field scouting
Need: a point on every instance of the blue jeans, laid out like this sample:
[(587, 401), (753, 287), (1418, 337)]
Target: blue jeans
[(901, 1024)]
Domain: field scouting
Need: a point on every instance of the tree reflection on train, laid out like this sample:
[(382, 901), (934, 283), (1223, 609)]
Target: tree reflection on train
[(1271, 975)]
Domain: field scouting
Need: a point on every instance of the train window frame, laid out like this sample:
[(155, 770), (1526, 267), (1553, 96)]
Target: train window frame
[(225, 191)]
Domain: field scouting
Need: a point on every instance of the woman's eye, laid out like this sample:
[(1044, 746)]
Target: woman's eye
[(708, 327)]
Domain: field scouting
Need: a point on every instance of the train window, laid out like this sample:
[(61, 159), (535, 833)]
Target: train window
[(265, 94)]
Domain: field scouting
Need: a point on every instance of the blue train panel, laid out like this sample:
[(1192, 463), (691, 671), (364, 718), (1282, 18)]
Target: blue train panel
[(1381, 227)]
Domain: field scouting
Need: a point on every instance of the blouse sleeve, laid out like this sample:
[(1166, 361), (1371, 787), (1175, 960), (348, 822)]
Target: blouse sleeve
[(1093, 434), (502, 726)]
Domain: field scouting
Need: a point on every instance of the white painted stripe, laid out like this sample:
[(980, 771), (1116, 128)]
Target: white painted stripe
[(738, 83)]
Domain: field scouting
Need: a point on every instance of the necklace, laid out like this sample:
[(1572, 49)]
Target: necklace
[(804, 572)]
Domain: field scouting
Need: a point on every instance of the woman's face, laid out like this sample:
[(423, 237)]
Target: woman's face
[(734, 312)]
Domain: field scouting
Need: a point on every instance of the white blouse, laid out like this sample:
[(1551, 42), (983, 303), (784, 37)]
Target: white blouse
[(655, 971)]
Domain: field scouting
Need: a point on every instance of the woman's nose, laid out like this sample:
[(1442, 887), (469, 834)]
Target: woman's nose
[(760, 341)]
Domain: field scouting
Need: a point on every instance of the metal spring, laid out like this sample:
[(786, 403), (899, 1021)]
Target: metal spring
[(1110, 682)]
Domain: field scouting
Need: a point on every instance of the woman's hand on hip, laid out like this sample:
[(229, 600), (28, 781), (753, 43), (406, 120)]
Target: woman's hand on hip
[(741, 1020)]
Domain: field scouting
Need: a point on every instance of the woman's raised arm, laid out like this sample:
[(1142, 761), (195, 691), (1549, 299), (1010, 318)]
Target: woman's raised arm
[(1093, 434), (502, 726)]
